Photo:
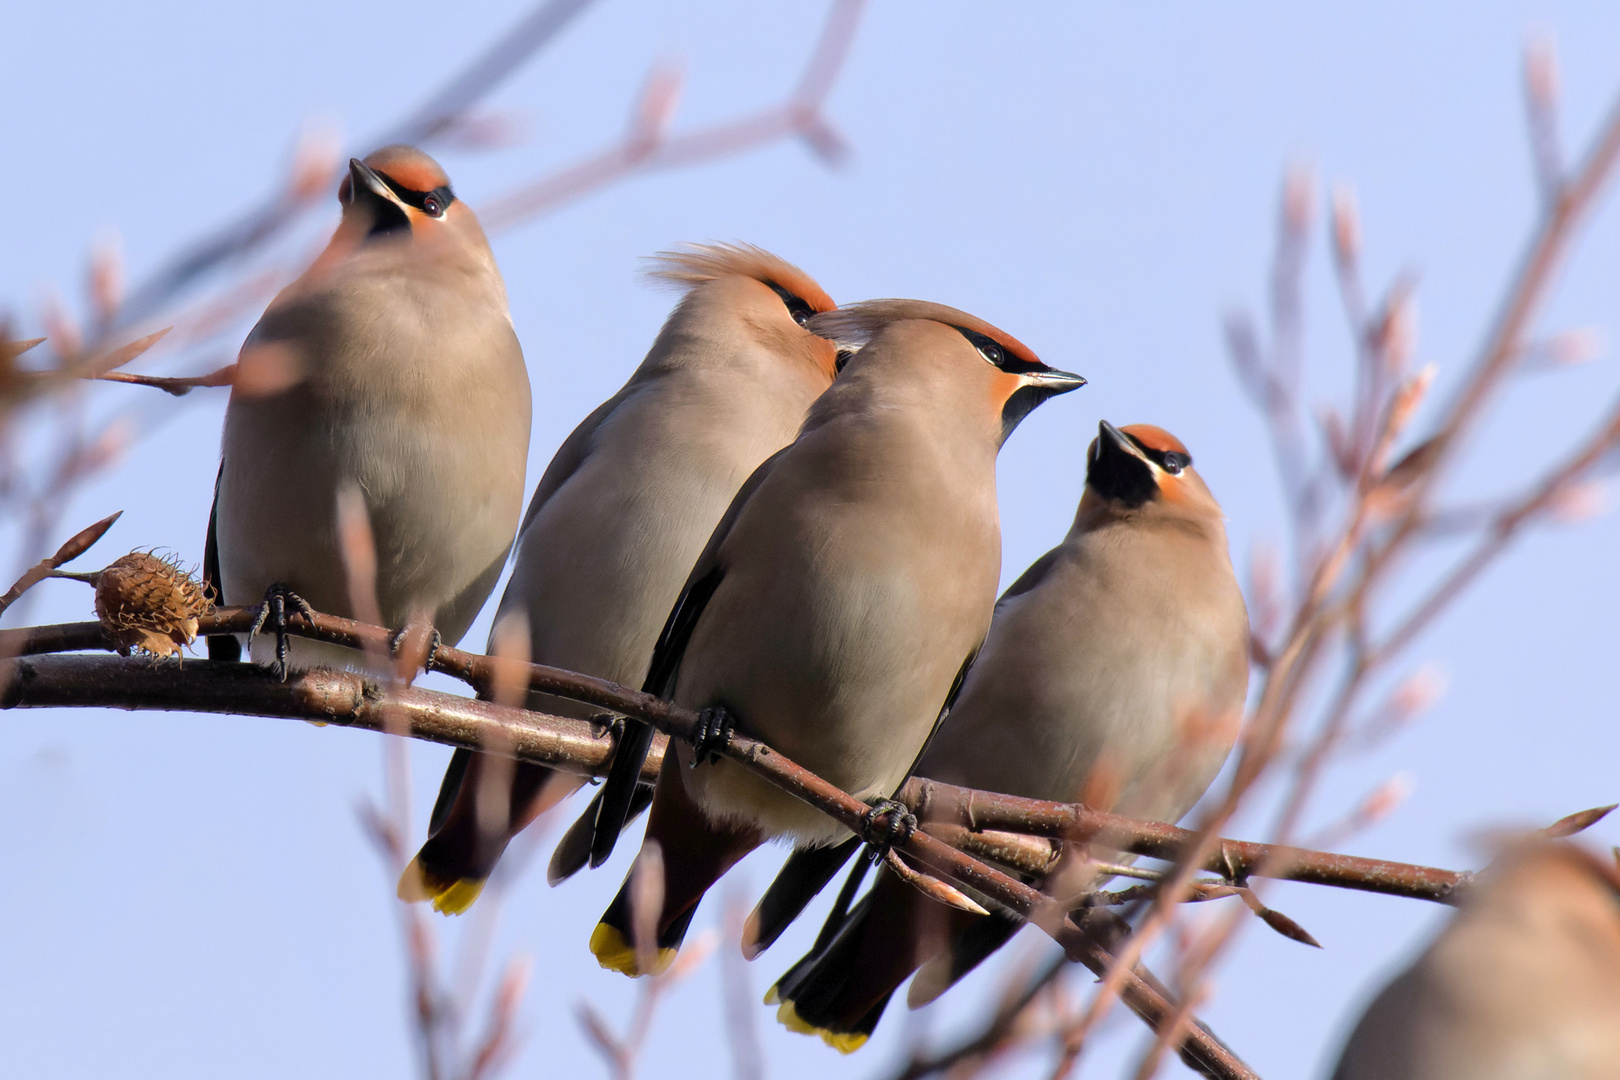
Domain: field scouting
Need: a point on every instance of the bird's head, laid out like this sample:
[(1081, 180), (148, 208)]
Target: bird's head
[(399, 192), (741, 285), (1140, 464), (961, 349)]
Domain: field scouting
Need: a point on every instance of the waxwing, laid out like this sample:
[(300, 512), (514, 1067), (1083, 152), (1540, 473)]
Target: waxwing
[(623, 512), (836, 605), (1114, 673), (1522, 984), (389, 369)]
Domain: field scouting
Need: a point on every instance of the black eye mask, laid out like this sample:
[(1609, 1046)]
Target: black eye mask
[(992, 351), (1171, 461), (432, 203), (796, 306)]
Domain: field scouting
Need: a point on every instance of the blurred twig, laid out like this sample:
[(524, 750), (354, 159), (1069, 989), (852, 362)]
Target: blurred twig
[(71, 549), (647, 145), (259, 225), (1386, 510), (623, 1052)]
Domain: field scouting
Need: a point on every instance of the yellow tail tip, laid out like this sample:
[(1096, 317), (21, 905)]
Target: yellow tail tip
[(459, 896), (845, 1042), (417, 884), (615, 953)]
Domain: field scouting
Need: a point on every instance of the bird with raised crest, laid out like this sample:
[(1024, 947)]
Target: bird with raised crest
[(836, 605), (620, 516)]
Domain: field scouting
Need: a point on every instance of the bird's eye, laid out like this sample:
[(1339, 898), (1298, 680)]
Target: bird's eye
[(995, 354), (1174, 462), (432, 205), (800, 311)]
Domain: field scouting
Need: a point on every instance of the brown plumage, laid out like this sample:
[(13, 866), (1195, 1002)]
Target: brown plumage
[(840, 596), (1522, 984), (389, 368), (623, 511), (1114, 672)]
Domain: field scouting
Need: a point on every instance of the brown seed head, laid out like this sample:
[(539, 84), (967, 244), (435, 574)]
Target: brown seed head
[(148, 602)]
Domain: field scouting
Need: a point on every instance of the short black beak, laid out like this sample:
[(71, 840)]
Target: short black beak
[(1038, 385), (363, 175), (1113, 440), (1116, 468), (1054, 381)]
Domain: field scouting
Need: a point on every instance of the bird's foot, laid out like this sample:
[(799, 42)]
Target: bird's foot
[(890, 822), (604, 724), (397, 639), (712, 734), (272, 610)]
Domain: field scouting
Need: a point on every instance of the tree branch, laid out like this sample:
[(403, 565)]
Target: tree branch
[(352, 700), (339, 698)]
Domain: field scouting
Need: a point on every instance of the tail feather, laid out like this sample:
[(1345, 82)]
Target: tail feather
[(449, 788), (968, 950), (695, 855), (225, 647), (454, 864), (840, 990), (614, 947), (845, 1042), (573, 851), (805, 874)]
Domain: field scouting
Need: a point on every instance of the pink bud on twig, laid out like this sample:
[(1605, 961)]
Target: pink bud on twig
[(1346, 226), (1579, 501), (1541, 72), (106, 277), (315, 163), (1299, 192)]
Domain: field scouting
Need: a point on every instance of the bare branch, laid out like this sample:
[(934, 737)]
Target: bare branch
[(75, 546), (258, 226), (646, 145)]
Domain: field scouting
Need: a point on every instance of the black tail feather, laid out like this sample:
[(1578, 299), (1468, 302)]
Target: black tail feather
[(804, 874), (618, 793), (573, 851)]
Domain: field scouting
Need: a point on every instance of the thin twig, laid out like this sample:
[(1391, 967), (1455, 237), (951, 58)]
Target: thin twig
[(76, 545)]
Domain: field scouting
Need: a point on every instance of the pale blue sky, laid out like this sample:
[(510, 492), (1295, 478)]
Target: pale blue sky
[(192, 895)]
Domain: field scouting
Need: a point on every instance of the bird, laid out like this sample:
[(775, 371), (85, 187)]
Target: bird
[(836, 605), (622, 513), (1523, 983), (1115, 671), (390, 368)]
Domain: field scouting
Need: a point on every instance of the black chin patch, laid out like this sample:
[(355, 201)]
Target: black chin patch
[(1021, 404), (389, 219), (1115, 474)]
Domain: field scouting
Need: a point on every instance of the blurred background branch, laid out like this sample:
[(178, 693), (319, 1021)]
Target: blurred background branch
[(1384, 538)]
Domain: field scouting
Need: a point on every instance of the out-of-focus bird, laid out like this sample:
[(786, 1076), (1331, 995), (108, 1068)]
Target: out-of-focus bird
[(1522, 984), (391, 369), (837, 604), (623, 512), (1115, 671)]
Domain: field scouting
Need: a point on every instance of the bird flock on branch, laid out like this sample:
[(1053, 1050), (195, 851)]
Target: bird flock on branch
[(785, 523), (783, 530)]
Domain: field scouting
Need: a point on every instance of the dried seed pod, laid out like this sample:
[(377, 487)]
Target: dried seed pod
[(148, 602)]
